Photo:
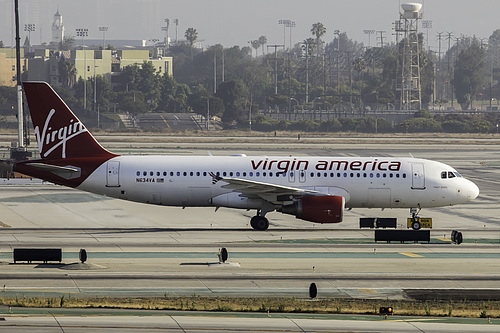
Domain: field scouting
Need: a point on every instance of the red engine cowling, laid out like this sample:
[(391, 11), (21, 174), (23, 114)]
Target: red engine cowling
[(321, 209)]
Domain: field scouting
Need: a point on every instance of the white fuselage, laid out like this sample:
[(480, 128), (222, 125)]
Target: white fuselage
[(382, 182)]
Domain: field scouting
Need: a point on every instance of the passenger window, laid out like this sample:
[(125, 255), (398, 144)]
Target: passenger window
[(257, 174), (157, 173), (138, 173), (204, 173), (443, 175), (270, 174), (164, 173), (231, 174), (263, 174), (171, 173), (244, 174), (404, 175), (198, 173), (151, 173), (191, 173), (251, 174), (224, 173), (184, 173), (145, 173), (384, 175), (178, 173)]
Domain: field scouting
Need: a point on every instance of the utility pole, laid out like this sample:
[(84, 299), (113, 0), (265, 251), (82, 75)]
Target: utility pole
[(450, 36), (440, 37), (20, 115), (276, 46), (215, 72), (337, 33)]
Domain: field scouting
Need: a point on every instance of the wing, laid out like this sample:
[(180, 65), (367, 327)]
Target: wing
[(273, 193)]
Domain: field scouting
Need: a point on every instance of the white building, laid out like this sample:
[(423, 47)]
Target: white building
[(57, 29)]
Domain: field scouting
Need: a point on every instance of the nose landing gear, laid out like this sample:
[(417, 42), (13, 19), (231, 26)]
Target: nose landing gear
[(415, 224)]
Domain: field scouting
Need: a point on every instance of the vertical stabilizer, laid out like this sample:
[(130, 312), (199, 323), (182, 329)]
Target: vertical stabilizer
[(59, 133)]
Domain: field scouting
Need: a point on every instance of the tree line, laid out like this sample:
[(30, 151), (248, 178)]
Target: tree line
[(341, 75)]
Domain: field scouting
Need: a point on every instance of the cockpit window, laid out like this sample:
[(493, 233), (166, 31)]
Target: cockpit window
[(450, 174)]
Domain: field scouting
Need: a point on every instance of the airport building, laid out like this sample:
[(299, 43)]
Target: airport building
[(8, 70), (47, 65)]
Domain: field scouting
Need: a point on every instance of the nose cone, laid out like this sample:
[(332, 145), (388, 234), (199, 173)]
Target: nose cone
[(472, 191)]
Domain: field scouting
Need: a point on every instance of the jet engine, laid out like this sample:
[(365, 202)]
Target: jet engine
[(321, 209)]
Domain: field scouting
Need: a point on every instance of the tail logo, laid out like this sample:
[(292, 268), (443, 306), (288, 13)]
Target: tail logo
[(57, 137)]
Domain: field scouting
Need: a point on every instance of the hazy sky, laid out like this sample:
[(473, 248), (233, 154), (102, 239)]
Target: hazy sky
[(235, 22)]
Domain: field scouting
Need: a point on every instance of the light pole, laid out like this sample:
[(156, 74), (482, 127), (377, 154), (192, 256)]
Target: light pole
[(369, 33), (337, 33), (95, 97), (103, 30), (165, 28), (84, 32), (285, 23), (29, 27), (427, 24), (176, 22), (207, 122), (290, 25)]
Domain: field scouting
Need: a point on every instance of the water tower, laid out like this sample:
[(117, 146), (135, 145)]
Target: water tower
[(408, 87)]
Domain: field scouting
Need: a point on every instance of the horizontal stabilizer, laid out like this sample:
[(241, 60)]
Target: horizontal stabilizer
[(66, 172)]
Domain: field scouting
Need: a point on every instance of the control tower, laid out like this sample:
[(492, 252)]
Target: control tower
[(408, 87)]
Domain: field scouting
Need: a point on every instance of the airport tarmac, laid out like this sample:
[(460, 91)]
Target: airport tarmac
[(145, 321), (138, 249)]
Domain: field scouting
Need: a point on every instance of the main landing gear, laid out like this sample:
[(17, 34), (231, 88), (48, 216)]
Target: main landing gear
[(259, 222), (415, 224)]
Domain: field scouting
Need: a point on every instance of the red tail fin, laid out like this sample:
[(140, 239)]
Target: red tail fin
[(59, 133)]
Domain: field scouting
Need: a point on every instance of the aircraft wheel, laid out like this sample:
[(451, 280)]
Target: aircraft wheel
[(259, 223), (415, 225)]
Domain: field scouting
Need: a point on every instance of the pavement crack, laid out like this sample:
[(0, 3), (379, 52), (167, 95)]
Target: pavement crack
[(57, 321), (178, 324), (300, 328), (74, 282)]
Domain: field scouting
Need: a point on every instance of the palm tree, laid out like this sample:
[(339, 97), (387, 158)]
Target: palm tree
[(318, 30), (359, 65), (255, 44), (68, 73), (191, 36), (262, 41)]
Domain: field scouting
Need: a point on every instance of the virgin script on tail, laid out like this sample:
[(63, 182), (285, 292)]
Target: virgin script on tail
[(64, 134)]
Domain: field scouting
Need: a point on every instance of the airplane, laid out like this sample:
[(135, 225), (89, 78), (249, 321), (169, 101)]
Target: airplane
[(315, 189)]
